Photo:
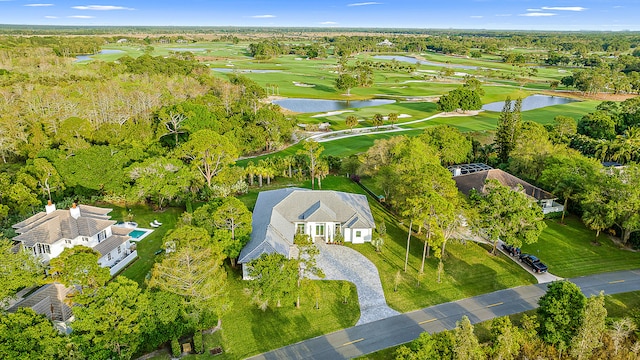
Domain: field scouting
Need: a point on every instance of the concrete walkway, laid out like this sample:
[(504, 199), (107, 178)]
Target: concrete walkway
[(343, 263)]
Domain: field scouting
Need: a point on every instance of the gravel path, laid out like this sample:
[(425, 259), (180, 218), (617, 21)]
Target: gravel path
[(343, 263)]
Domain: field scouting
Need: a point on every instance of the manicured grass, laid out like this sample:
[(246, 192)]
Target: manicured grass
[(247, 330), (568, 250), (146, 248)]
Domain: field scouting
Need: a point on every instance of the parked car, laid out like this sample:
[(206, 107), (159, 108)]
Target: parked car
[(533, 262), (511, 250)]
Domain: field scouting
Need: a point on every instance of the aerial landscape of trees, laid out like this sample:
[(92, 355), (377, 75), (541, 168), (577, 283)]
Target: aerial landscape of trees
[(159, 129)]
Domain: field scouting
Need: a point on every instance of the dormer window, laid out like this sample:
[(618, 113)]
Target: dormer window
[(102, 235)]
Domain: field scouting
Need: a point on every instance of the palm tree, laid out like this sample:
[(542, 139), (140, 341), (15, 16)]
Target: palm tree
[(393, 118), (250, 171), (351, 121), (377, 120)]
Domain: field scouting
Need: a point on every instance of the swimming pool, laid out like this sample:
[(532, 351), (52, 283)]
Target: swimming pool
[(139, 234)]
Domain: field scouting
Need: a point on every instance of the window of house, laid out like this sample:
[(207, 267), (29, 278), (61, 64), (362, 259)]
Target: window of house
[(109, 257), (46, 249), (320, 230), (67, 241), (300, 229), (102, 235), (84, 238), (358, 233), (38, 249), (337, 229), (119, 250)]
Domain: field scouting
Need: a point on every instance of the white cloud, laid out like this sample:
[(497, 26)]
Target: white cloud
[(50, 17), (476, 16), (38, 5), (101, 7), (81, 17), (538, 14), (564, 8), (328, 23), (365, 3), (534, 9), (503, 15), (263, 16)]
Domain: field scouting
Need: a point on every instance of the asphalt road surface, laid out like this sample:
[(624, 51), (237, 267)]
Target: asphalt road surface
[(396, 330)]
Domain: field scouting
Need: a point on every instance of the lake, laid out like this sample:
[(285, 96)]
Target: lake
[(424, 62), (315, 105), (531, 102), (101, 52)]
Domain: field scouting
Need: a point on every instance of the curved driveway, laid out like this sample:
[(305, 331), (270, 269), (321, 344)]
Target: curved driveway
[(364, 339), (343, 263)]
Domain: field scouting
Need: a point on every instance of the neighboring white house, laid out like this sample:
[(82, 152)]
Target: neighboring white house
[(279, 214), (48, 233)]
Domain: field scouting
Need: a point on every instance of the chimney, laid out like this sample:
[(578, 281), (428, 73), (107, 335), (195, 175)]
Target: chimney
[(457, 171), (75, 211), (50, 207)]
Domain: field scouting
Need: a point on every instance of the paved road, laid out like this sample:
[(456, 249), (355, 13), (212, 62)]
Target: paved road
[(374, 336)]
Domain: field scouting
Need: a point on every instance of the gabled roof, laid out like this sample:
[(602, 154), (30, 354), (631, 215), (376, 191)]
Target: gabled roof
[(59, 224), (48, 300), (277, 211), (477, 180)]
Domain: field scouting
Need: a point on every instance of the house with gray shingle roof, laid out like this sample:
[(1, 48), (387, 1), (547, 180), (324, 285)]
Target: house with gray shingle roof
[(477, 179), (48, 233), (279, 214)]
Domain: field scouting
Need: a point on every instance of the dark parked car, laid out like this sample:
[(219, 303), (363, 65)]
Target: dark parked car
[(511, 250), (534, 263)]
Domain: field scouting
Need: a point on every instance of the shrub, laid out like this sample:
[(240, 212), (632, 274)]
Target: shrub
[(197, 342), (175, 347)]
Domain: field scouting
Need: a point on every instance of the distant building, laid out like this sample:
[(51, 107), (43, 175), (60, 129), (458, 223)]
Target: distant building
[(48, 233), (386, 42), (122, 41)]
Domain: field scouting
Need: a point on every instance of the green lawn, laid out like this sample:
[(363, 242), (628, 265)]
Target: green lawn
[(247, 330), (569, 252), (146, 248)]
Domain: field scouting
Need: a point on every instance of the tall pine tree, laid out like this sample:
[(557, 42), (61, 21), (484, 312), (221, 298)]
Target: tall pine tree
[(508, 124)]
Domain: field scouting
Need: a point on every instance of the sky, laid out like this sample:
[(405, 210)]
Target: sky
[(603, 15)]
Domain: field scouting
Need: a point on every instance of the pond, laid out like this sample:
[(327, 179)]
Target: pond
[(424, 62), (101, 52), (230, 70), (531, 102), (315, 105)]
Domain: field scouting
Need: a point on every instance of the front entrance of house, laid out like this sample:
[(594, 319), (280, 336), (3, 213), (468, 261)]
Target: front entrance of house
[(320, 232)]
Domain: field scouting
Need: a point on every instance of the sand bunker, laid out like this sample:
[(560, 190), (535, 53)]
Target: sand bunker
[(303, 84), (331, 113)]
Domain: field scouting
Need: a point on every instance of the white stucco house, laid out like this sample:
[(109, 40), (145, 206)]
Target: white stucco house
[(279, 214), (48, 233)]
